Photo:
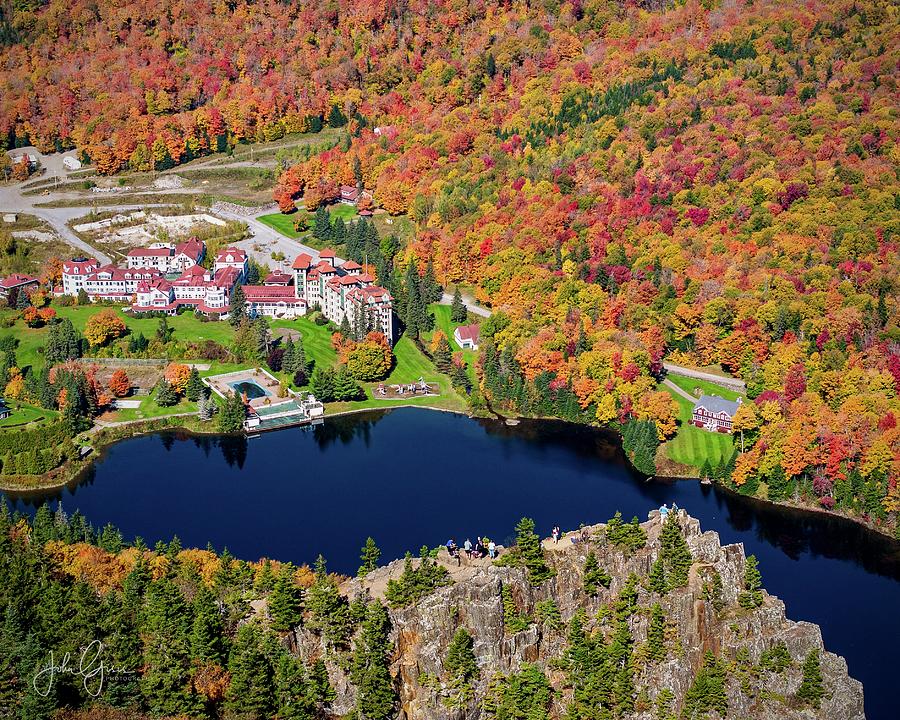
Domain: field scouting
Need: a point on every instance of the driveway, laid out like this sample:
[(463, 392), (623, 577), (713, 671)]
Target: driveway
[(471, 305)]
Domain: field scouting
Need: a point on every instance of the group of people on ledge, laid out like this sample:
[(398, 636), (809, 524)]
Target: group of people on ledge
[(483, 546)]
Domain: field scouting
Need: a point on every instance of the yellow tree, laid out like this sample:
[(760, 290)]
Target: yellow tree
[(745, 419), (661, 408), (106, 325), (177, 375)]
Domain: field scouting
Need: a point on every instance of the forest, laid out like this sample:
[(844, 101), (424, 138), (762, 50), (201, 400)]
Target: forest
[(714, 183)]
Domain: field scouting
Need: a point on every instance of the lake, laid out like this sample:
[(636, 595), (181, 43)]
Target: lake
[(410, 477)]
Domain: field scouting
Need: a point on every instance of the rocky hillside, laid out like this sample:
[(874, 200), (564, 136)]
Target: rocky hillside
[(646, 632)]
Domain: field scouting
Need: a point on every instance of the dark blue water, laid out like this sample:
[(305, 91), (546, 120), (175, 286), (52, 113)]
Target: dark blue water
[(413, 477)]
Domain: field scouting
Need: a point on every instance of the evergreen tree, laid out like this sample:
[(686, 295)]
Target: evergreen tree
[(289, 358), (369, 556), (231, 419), (345, 387), (458, 312), (707, 692), (751, 596), (165, 394), (321, 384), (811, 690), (594, 575), (376, 696), (336, 118), (460, 664), (443, 356), (165, 625), (531, 553), (111, 539), (208, 628), (329, 612), (164, 331), (292, 697), (656, 633), (195, 386), (431, 289), (238, 306), (285, 601), (250, 692), (675, 555)]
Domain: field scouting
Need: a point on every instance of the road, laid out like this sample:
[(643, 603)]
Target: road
[(269, 240), (733, 383), (471, 305), (684, 393)]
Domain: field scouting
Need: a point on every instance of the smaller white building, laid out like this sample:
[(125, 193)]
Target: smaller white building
[(467, 336), (70, 162)]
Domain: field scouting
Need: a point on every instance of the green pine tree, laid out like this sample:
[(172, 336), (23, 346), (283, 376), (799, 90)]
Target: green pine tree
[(811, 690), (458, 311), (376, 696), (595, 577), (751, 596), (460, 664), (252, 676), (194, 387), (237, 306), (208, 628), (369, 556), (285, 601)]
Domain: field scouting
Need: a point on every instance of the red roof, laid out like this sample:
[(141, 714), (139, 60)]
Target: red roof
[(351, 265), (468, 332), (149, 252), (16, 279), (326, 253), (349, 192), (193, 248), (80, 267), (236, 255), (324, 267), (255, 292), (278, 278), (302, 262)]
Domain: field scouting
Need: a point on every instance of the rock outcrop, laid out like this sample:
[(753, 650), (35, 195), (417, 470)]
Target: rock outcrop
[(698, 620)]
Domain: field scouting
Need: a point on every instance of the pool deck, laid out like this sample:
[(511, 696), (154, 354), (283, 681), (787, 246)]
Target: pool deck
[(273, 410)]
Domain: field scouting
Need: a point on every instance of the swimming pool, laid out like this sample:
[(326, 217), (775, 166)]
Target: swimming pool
[(249, 388)]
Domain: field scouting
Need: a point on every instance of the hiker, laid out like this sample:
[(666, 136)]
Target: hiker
[(555, 534), (454, 551), (492, 549), (467, 546), (585, 535), (478, 552), (663, 512)]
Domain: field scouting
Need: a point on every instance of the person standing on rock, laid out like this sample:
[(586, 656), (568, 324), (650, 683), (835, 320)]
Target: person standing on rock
[(663, 512), (492, 549), (467, 546), (555, 534)]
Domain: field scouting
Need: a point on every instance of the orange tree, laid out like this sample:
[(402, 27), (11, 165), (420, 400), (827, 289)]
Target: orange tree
[(103, 327)]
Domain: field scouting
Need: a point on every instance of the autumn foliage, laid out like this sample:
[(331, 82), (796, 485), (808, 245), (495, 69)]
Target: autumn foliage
[(104, 327)]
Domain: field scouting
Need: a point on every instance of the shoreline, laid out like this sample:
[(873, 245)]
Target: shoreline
[(59, 478)]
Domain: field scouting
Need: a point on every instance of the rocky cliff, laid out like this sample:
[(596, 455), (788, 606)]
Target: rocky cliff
[(760, 653)]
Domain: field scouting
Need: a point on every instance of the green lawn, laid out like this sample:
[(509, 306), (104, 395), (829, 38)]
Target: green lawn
[(186, 327), (692, 445), (282, 223), (22, 413), (285, 223), (316, 340), (690, 385), (443, 322), (149, 409)]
